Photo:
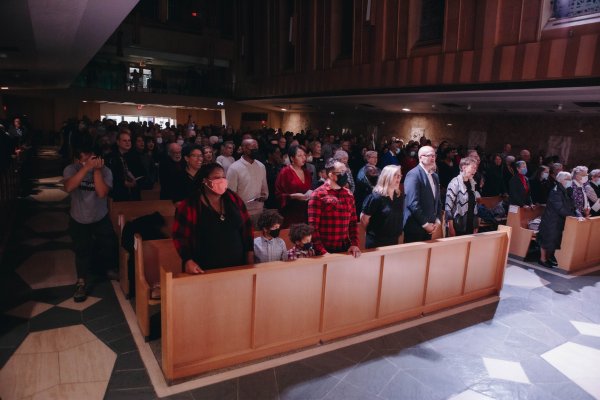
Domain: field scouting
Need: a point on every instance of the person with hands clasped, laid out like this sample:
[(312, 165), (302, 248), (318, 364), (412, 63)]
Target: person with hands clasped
[(332, 213), (94, 240), (422, 206), (212, 228)]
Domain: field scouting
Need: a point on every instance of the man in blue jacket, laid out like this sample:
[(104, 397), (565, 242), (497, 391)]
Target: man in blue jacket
[(422, 206)]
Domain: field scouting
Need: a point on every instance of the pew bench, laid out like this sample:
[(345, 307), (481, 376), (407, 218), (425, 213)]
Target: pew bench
[(125, 211), (236, 315), (490, 202), (150, 256), (579, 247), (518, 219)]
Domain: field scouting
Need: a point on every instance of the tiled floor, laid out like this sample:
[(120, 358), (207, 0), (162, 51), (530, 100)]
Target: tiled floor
[(541, 341)]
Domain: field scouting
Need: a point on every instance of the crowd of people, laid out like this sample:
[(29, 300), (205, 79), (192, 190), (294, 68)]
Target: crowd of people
[(321, 185)]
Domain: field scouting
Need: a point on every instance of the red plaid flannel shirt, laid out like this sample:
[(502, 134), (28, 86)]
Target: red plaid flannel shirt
[(333, 215), (186, 218)]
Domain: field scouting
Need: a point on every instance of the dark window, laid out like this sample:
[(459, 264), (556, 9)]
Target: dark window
[(150, 9), (347, 28), (288, 23), (574, 8), (431, 30)]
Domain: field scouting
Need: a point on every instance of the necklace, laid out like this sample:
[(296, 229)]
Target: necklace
[(220, 212)]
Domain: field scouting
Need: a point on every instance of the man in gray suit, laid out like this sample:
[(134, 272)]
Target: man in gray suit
[(422, 205)]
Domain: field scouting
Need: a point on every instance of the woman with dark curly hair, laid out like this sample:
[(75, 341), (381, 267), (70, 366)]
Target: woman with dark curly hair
[(212, 228), (292, 188)]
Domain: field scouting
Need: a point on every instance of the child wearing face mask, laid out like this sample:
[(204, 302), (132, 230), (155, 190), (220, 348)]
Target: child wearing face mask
[(269, 246), (301, 236)]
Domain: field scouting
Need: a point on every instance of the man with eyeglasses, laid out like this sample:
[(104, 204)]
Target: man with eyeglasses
[(423, 206), (332, 213)]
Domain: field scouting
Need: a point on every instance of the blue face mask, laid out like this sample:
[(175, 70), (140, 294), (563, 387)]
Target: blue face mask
[(523, 171), (568, 184)]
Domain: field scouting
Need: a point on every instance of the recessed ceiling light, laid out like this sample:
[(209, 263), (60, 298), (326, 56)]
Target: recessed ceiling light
[(4, 87), (406, 109), (448, 124), (284, 109), (84, 101)]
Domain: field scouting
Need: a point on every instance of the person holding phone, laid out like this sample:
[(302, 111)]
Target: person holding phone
[(89, 181)]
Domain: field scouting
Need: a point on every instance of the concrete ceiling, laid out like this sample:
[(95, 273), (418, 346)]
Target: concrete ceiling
[(46, 43)]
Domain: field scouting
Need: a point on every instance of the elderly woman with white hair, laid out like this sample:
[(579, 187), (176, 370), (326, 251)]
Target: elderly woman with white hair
[(592, 191), (580, 178), (342, 156), (461, 197), (558, 208)]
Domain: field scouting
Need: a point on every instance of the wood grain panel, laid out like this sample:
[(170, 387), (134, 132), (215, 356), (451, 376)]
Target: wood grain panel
[(482, 253), (432, 72), (507, 61), (446, 269), (225, 301), (556, 58), (451, 25), (593, 250), (530, 62), (449, 63), (351, 291), (466, 66), (486, 65), (571, 52), (466, 34), (403, 281), (509, 23), (588, 48), (288, 303)]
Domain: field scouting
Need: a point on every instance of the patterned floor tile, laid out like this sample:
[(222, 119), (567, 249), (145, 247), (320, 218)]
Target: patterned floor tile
[(579, 363), (29, 310), (72, 305), (49, 269), (506, 370)]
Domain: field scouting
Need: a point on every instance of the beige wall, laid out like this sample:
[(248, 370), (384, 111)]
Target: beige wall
[(522, 131)]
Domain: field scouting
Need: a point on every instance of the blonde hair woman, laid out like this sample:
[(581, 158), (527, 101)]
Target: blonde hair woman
[(382, 213)]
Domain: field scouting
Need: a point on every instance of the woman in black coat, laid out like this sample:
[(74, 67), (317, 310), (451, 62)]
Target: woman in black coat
[(558, 208)]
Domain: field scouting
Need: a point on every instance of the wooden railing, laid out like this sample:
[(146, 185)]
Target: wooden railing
[(224, 318)]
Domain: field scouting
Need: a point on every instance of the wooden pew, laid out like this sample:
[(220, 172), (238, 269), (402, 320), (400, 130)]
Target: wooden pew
[(124, 211), (224, 318), (580, 246), (150, 256), (518, 219), (490, 203)]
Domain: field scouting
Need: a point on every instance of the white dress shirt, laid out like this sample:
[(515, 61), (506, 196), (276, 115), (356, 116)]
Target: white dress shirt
[(249, 181)]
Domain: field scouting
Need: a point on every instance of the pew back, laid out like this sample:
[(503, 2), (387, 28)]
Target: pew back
[(579, 247), (248, 313), (518, 219), (123, 211)]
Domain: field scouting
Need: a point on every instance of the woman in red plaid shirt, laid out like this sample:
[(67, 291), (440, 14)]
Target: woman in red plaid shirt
[(332, 213), (212, 228)]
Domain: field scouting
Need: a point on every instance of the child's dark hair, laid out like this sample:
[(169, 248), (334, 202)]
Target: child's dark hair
[(269, 218), (300, 231)]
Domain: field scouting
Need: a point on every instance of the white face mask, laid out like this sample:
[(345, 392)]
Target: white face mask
[(584, 180), (180, 141), (568, 184), (596, 181), (159, 140), (544, 176)]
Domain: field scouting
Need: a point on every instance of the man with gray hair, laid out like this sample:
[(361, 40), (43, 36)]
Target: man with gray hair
[(592, 191), (423, 206), (518, 187), (171, 166)]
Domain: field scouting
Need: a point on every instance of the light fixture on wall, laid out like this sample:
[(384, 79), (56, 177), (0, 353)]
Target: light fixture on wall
[(406, 109), (468, 107), (559, 107)]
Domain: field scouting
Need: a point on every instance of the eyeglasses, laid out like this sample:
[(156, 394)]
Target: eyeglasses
[(428, 155)]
